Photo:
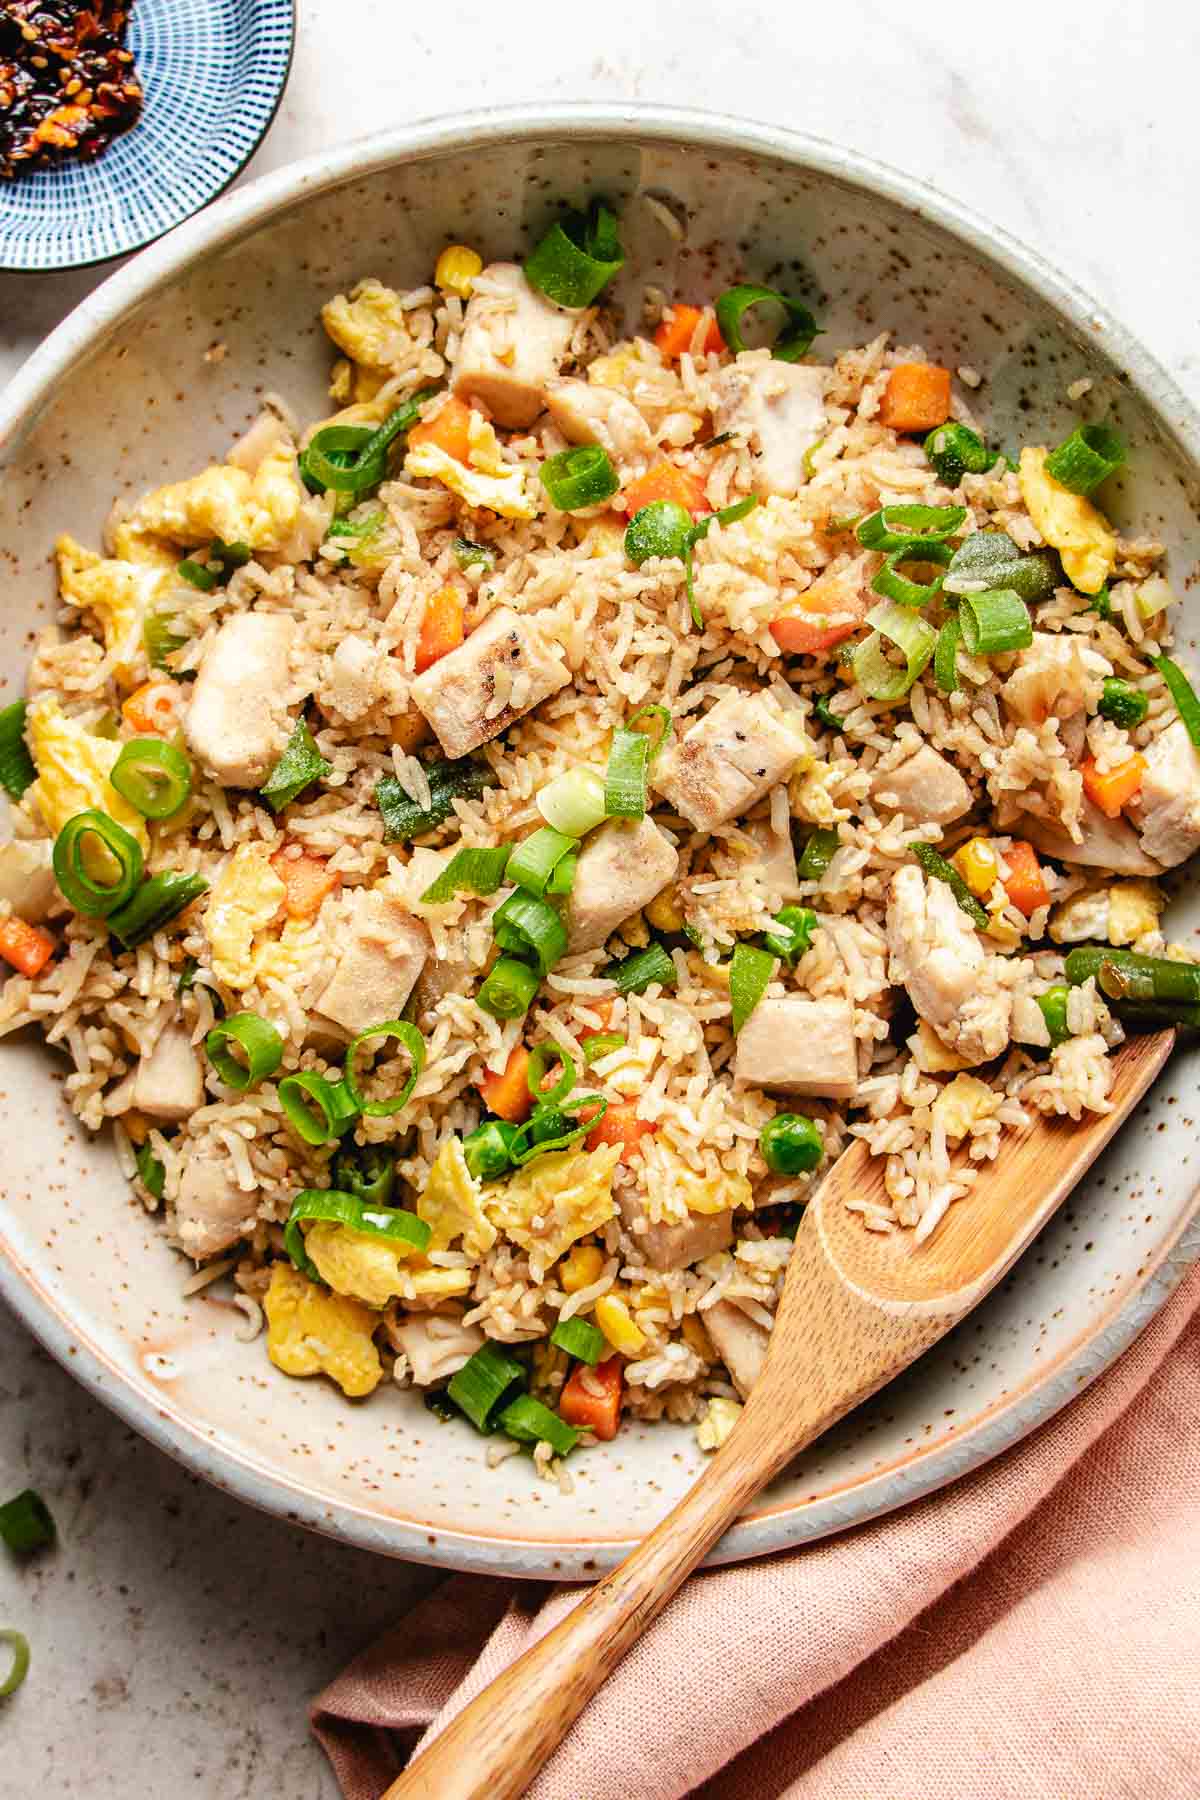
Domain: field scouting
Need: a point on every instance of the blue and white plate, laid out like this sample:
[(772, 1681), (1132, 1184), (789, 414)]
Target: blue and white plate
[(213, 72)]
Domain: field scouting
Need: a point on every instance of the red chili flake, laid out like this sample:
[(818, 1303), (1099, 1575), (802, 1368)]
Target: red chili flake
[(67, 83)]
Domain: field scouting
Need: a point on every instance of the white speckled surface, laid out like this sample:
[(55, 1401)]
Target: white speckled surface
[(177, 1636)]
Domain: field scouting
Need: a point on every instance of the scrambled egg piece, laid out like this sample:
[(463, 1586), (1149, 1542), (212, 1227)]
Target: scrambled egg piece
[(73, 768), (440, 1284), (369, 325), (616, 1322), (450, 1204), (245, 898), (130, 546), (290, 956), (1070, 523), (225, 502), (355, 1263), (961, 1104), (1133, 910), (718, 1422), (930, 1054), (502, 493), (120, 594), (669, 1180), (350, 381), (554, 1200), (313, 1333)]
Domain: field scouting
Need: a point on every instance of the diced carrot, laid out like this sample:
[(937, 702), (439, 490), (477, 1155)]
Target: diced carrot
[(151, 708), (1025, 884), (596, 1412), (25, 946), (307, 878), (1111, 789), (620, 1125), (603, 1010), (675, 334), (508, 1095), (441, 627), (449, 431), (803, 628), (665, 482), (916, 398)]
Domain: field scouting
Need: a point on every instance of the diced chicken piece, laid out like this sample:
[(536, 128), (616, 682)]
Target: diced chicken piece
[(727, 760), (169, 1084), (1106, 843), (1169, 800), (740, 1341), (666, 1246), (27, 878), (1057, 677), (436, 1346), (925, 788), (237, 721), (779, 408), (951, 979), (119, 1099), (512, 343), (588, 414), (800, 1047), (621, 867), (776, 861), (211, 1212), (352, 679), (384, 953), (507, 666)]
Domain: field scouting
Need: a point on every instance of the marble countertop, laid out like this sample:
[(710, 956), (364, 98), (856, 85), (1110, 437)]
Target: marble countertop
[(177, 1636)]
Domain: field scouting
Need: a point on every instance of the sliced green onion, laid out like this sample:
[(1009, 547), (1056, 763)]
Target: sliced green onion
[(347, 1209), (990, 559), (154, 777), (197, 575), (945, 656), (154, 905), (808, 460), (488, 1149), (469, 556), (410, 1038), (635, 973), (1101, 602), (910, 527), (661, 529), (26, 1523), (318, 1110), (601, 1043), (1121, 702), (1053, 1007), (527, 1421), (300, 765), (586, 1342), (353, 459), (728, 515), (1182, 693), (750, 972), (563, 879), (485, 1383), (469, 872), (541, 1061), (791, 1144), (18, 1643), (579, 477), (550, 1128), (826, 714), (895, 624), (357, 528), (160, 641), (448, 781), (819, 851), (536, 857), (938, 869), (151, 1173), (1088, 457), (902, 588), (509, 989), (630, 760), (573, 802), (795, 338), (995, 622), (532, 927), (954, 451), (186, 979), (791, 937), (369, 1174), (259, 1042), (17, 771), (577, 257), (96, 899)]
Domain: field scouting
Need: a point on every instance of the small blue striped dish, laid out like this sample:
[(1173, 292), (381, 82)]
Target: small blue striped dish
[(213, 72)]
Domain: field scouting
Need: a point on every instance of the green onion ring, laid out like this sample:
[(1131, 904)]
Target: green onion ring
[(300, 765), (391, 1223), (563, 879), (509, 989), (902, 588), (819, 851), (332, 1113), (485, 1382), (536, 857), (580, 1339), (532, 928), (577, 257), (661, 529), (18, 1643), (995, 622), (528, 1421), (579, 477), (600, 1044), (154, 777), (256, 1037), (551, 1128), (796, 337), (1088, 457), (636, 972), (197, 575), (945, 656), (541, 1060), (880, 679), (95, 899), (899, 527), (1182, 693), (412, 1041)]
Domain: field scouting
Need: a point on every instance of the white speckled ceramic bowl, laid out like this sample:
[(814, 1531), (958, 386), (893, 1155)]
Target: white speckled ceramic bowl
[(122, 397)]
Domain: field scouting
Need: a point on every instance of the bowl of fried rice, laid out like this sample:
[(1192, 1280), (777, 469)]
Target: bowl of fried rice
[(561, 667)]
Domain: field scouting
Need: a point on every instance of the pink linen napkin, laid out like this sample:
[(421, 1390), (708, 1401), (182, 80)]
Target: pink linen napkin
[(1031, 1633)]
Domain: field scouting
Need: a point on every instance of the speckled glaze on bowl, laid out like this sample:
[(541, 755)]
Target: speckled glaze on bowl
[(123, 396)]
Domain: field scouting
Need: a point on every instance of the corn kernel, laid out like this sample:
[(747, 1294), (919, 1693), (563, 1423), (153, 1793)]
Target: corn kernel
[(137, 1127), (976, 862), (664, 911), (613, 1318), (584, 1265), (457, 267), (717, 1423), (408, 730)]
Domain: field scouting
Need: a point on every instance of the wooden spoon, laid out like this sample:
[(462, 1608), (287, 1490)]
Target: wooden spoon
[(857, 1307)]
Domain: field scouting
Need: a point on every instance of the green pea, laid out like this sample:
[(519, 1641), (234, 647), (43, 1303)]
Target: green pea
[(660, 529), (367, 1174), (790, 1144), (1054, 1010), (488, 1148)]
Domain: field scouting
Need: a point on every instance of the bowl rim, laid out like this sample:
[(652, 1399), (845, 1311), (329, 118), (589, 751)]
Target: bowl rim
[(775, 1527)]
